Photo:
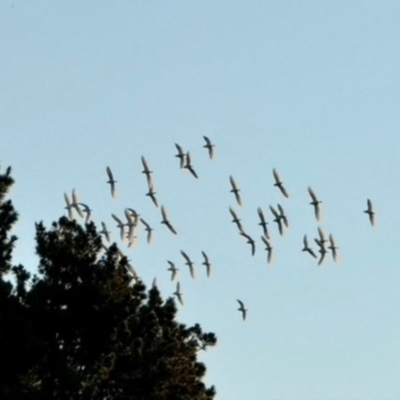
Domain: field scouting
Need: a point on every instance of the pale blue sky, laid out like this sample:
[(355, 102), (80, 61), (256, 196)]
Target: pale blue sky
[(308, 87)]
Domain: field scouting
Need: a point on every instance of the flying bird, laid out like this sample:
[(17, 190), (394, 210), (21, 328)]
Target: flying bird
[(278, 219), (263, 223), (165, 220), (250, 241), (133, 221), (242, 309), (282, 216), (315, 203), (75, 203), (68, 206), (278, 183), (207, 264), (189, 166), (105, 232), (209, 146), (173, 270), (120, 225), (268, 247), (235, 190), (181, 155), (370, 212), (111, 181), (148, 229), (307, 248), (236, 220), (146, 170), (189, 263), (178, 293), (332, 247), (321, 235), (87, 210), (152, 194), (322, 250)]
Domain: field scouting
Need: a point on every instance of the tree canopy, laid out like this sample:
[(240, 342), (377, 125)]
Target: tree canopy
[(85, 327)]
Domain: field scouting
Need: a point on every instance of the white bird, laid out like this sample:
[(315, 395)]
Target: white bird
[(315, 203), (189, 166), (242, 309), (111, 181), (209, 146), (173, 270), (75, 204), (181, 155), (87, 210), (278, 183), (132, 223), (307, 248), (68, 206), (105, 232), (148, 229), (178, 293), (189, 263), (235, 190), (120, 225), (370, 212), (166, 222), (207, 264), (268, 247)]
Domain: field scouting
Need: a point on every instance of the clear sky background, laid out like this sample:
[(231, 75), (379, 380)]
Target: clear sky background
[(311, 88)]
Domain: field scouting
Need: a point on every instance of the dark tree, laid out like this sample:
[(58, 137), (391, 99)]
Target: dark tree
[(87, 328)]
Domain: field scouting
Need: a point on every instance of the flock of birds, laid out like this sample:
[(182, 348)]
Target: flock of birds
[(133, 220)]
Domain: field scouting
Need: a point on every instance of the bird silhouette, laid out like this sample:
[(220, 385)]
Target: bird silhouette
[(307, 248), (188, 165), (148, 229), (207, 264), (250, 241), (178, 293), (278, 219), (278, 183), (242, 309), (236, 220), (235, 190), (209, 146), (332, 247), (152, 194), (120, 225), (146, 170), (282, 216), (268, 247), (181, 155), (173, 270), (75, 204), (370, 212), (315, 203), (166, 222), (68, 206), (189, 263), (87, 210), (263, 223), (105, 232), (111, 181)]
